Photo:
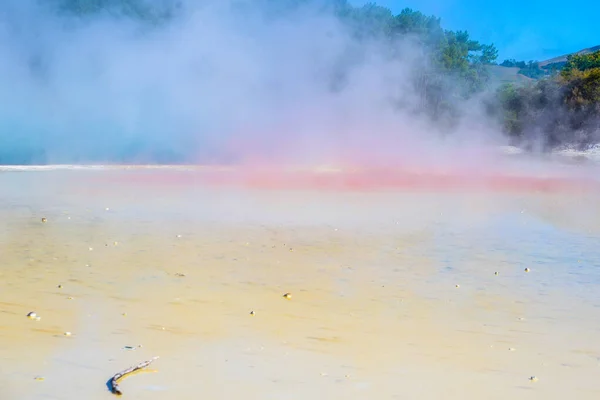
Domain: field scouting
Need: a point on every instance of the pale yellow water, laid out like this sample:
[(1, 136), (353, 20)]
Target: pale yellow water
[(375, 311)]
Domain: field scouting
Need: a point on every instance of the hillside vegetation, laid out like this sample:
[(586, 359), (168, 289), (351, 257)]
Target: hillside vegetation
[(560, 110), (540, 69), (561, 60), (500, 75)]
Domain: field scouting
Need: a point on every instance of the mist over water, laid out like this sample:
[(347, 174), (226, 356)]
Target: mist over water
[(216, 82)]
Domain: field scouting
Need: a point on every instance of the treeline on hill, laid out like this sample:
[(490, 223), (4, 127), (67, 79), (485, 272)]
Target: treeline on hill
[(530, 69), (563, 109)]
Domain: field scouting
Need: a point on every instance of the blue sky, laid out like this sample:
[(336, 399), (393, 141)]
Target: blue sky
[(525, 30)]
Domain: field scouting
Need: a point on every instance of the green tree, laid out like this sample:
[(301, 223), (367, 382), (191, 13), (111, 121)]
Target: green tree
[(369, 21), (489, 54), (581, 62), (582, 88)]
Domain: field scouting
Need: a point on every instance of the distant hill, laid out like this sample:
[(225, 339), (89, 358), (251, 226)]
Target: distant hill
[(500, 75), (512, 71), (563, 59)]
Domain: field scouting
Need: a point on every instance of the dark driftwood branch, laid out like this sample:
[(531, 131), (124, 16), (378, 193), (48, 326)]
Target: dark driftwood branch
[(113, 383)]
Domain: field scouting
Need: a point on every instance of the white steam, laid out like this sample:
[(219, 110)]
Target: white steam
[(218, 82)]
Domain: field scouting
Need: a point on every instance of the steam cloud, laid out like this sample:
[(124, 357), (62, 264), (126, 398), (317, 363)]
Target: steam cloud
[(220, 81)]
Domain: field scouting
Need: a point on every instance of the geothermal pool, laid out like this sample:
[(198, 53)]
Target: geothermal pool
[(404, 284)]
